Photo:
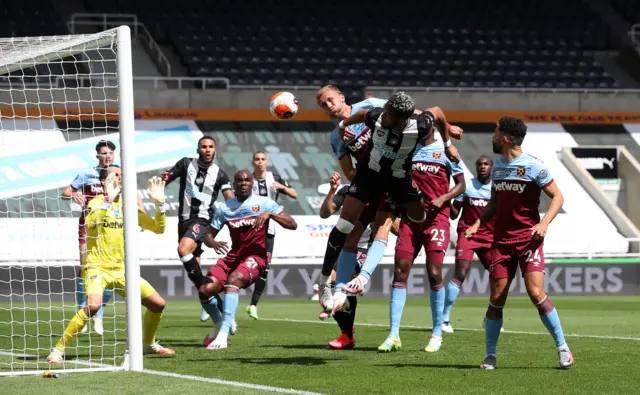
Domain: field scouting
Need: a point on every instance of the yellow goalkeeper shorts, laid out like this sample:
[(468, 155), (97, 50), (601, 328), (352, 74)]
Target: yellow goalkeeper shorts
[(97, 280)]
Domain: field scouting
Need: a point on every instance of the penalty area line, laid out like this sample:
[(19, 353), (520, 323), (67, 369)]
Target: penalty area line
[(458, 329), (231, 383)]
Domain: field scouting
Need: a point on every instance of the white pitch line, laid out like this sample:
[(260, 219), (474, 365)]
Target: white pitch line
[(458, 329), (232, 383)]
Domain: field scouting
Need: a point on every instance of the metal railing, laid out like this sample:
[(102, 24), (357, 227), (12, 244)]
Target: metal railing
[(138, 29)]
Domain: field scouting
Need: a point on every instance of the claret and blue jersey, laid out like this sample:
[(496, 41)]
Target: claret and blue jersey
[(359, 145)]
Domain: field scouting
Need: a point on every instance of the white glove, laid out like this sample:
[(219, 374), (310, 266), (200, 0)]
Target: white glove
[(156, 190), (111, 189)]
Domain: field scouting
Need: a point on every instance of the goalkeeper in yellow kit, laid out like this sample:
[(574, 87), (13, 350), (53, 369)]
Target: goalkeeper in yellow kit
[(105, 261)]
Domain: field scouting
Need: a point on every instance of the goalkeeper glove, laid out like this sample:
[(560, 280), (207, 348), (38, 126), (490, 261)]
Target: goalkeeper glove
[(156, 190), (111, 189)]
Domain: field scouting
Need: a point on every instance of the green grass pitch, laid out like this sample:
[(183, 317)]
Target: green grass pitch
[(286, 348)]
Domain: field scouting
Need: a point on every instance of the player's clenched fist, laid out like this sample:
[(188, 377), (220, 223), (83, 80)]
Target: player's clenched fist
[(335, 180), (156, 189)]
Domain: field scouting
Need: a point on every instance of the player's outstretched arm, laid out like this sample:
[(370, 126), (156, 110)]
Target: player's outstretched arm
[(176, 171), (158, 223), (444, 128), (459, 187), (283, 186)]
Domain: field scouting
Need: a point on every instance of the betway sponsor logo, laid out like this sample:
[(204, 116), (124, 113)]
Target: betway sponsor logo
[(242, 223), (362, 140), (425, 168), (478, 202), (506, 186)]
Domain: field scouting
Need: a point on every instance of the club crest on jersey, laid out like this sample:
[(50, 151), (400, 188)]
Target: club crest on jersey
[(380, 132), (521, 171), (199, 180), (436, 155), (255, 209), (459, 253)]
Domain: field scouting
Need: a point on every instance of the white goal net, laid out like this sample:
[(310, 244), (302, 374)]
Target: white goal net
[(61, 98)]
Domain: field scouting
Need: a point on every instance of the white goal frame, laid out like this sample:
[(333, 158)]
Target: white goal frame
[(73, 45)]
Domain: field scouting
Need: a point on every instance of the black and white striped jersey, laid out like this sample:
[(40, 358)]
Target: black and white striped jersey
[(392, 150), (199, 188), (264, 187)]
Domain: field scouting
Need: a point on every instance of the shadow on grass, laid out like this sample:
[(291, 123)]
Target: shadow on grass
[(456, 366), (314, 347), (301, 361)]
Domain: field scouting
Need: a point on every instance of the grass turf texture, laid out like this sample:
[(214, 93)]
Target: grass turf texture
[(278, 353)]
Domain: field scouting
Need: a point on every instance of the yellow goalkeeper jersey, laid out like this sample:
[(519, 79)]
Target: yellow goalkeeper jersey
[(105, 234)]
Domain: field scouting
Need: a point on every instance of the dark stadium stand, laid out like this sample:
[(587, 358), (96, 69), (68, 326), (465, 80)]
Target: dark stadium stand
[(492, 43), (629, 9), (497, 43)]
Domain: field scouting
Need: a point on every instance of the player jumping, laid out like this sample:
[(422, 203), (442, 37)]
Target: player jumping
[(105, 261), (471, 202), (396, 130), (266, 183), (432, 171), (247, 217), (355, 147), (519, 234), (200, 182)]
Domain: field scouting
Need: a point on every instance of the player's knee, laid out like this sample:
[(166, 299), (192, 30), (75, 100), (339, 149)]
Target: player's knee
[(93, 307), (157, 305), (536, 294), (186, 247), (344, 226), (461, 273), (401, 271), (236, 280), (434, 273)]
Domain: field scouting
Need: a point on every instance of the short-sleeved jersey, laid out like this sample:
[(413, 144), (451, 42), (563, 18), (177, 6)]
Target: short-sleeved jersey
[(338, 200), (432, 171), (264, 187), (240, 218), (199, 188), (105, 235), (392, 151), (474, 199), (517, 185), (360, 145), (88, 183)]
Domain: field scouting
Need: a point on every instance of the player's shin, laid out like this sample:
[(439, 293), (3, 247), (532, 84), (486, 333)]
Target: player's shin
[(453, 289), (259, 286), (210, 305), (75, 325), (437, 296), (396, 307), (334, 246), (492, 325), (346, 264), (231, 299), (194, 272), (150, 325), (551, 320), (374, 255)]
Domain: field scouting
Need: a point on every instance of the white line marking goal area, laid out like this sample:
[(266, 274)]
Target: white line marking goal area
[(232, 383), (458, 329)]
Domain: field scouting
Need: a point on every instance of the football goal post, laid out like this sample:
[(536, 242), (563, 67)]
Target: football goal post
[(61, 98)]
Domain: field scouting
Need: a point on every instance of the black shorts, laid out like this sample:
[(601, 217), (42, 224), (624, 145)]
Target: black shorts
[(368, 185), (195, 229)]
